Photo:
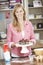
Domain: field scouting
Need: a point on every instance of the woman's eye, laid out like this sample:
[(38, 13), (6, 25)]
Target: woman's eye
[(16, 12), (20, 11)]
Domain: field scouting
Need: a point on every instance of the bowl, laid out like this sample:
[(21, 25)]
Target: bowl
[(38, 51)]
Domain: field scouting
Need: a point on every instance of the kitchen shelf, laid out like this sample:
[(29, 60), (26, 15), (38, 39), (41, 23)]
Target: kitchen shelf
[(38, 29), (35, 7), (36, 19), (7, 9)]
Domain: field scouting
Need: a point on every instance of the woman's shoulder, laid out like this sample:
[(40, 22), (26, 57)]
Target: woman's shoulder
[(10, 24), (28, 22)]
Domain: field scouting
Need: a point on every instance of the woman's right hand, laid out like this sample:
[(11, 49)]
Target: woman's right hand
[(13, 45)]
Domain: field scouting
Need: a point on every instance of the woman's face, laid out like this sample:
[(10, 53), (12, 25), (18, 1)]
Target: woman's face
[(19, 13)]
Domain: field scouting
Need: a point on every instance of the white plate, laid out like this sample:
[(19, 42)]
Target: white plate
[(24, 45)]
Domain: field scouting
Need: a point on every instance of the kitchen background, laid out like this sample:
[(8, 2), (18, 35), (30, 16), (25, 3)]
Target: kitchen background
[(34, 13)]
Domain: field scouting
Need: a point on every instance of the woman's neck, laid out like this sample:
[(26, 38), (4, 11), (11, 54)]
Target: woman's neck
[(21, 24)]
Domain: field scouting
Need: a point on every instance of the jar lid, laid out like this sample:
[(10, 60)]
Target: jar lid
[(5, 47)]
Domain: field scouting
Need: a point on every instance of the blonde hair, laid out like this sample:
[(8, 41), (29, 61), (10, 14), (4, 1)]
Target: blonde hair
[(15, 21)]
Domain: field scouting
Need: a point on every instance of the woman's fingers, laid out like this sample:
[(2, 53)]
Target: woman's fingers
[(13, 45)]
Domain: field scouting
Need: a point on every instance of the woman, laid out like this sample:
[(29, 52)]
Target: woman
[(18, 30)]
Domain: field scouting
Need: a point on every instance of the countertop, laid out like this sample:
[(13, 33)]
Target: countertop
[(37, 45), (18, 61)]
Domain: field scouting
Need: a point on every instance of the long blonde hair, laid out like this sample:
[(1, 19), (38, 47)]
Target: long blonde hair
[(15, 21)]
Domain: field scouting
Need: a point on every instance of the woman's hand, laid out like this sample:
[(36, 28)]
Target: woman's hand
[(13, 45)]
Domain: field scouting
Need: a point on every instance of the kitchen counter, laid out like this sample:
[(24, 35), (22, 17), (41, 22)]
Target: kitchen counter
[(37, 45), (18, 61)]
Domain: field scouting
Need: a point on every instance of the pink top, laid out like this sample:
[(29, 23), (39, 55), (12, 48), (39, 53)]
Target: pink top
[(14, 36)]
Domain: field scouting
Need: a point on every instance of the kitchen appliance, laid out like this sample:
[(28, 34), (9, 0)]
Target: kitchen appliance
[(40, 25)]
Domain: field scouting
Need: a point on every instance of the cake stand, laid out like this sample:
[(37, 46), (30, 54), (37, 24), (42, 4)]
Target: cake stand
[(24, 47)]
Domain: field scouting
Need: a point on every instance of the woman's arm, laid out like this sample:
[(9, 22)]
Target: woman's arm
[(9, 37), (32, 34)]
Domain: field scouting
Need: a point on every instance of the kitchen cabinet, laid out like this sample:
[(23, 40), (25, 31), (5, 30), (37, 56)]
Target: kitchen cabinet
[(35, 15)]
